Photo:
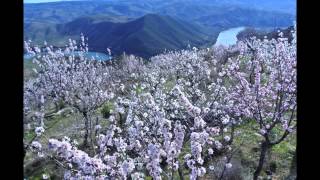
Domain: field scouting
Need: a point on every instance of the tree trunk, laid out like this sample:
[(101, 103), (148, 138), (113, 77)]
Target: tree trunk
[(41, 122), (293, 169), (222, 173), (96, 130), (121, 121), (86, 124), (263, 152), (180, 171), (172, 173), (56, 106), (90, 129), (91, 136)]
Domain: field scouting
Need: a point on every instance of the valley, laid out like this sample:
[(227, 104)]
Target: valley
[(143, 28)]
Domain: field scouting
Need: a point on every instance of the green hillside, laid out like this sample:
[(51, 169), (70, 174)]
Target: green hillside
[(145, 36)]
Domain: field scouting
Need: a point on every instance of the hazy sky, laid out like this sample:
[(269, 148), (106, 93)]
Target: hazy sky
[(40, 1)]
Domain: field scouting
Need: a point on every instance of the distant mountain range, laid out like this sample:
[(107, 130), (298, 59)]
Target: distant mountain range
[(134, 27), (191, 10), (234, 17), (145, 36), (286, 6)]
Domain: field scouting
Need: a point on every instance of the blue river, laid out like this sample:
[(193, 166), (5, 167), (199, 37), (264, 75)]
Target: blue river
[(228, 37)]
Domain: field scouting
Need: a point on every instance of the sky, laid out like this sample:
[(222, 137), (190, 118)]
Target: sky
[(41, 1)]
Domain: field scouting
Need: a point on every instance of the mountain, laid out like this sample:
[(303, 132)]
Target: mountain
[(127, 25), (66, 11), (235, 17), (285, 6), (39, 32), (282, 6), (145, 36), (204, 12)]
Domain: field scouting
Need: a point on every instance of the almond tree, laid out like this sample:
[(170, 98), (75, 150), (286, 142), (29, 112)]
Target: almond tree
[(264, 77), (68, 76)]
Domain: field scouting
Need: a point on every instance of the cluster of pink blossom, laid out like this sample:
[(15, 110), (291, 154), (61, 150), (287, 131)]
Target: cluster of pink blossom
[(153, 164), (268, 94), (86, 165), (192, 110)]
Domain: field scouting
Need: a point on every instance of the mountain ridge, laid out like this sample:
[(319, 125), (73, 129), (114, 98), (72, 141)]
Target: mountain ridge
[(145, 36)]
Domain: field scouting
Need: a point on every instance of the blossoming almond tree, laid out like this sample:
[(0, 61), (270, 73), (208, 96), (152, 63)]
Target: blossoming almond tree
[(265, 88), (77, 81)]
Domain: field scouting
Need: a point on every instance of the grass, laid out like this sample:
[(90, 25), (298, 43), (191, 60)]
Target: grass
[(169, 84), (28, 136), (57, 127), (106, 109), (49, 168), (280, 154), (139, 90), (28, 67)]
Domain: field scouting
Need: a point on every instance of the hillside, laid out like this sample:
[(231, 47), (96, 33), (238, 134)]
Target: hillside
[(62, 12), (284, 6), (38, 32), (260, 34), (234, 17), (145, 36), (204, 12)]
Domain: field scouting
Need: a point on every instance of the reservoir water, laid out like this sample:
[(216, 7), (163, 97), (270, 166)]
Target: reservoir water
[(228, 37), (96, 55)]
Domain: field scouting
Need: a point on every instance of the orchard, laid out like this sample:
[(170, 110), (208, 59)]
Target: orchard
[(178, 115)]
